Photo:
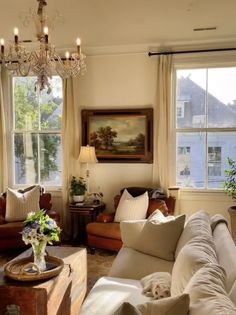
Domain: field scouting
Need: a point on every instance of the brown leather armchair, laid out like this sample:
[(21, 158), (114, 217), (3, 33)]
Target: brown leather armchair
[(10, 236), (105, 233)]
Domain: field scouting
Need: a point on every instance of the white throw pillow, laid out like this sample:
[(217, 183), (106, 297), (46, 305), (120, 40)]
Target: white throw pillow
[(157, 237), (168, 306), (18, 205), (131, 208), (198, 252), (207, 292)]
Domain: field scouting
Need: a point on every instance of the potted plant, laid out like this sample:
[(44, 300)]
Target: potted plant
[(230, 189), (78, 188), (230, 180)]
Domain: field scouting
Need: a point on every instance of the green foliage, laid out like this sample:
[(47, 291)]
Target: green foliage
[(103, 138), (230, 181), (138, 142), (32, 113), (78, 187)]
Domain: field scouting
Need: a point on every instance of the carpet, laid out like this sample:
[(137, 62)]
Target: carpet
[(99, 264)]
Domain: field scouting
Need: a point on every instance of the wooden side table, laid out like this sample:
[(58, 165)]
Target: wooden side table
[(61, 295), (81, 215)]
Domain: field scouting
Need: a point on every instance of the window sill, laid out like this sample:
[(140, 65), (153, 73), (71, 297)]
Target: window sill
[(204, 194)]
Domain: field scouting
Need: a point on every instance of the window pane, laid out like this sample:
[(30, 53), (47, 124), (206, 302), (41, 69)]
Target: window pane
[(191, 97), (26, 158), (222, 97), (50, 159), (25, 101), (191, 159), (220, 146), (37, 126), (51, 106)]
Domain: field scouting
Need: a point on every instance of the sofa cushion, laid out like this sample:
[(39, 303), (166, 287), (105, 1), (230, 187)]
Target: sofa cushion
[(125, 265), (198, 252), (197, 224), (168, 306), (107, 230), (18, 205), (157, 237), (207, 292), (131, 208)]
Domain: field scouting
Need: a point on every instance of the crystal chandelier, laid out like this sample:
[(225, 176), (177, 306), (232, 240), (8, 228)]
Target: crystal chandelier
[(45, 61)]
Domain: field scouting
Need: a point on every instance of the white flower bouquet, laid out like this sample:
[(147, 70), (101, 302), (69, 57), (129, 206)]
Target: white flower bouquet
[(39, 229)]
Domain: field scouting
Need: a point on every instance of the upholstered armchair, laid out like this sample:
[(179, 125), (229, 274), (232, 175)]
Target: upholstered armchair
[(10, 236), (105, 233)]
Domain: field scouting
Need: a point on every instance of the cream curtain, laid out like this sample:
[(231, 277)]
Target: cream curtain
[(163, 116), (3, 141), (71, 123)]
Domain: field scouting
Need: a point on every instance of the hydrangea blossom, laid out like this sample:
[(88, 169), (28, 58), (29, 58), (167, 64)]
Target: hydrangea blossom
[(38, 227)]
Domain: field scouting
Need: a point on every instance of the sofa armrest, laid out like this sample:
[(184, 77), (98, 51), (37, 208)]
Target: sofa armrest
[(105, 217)]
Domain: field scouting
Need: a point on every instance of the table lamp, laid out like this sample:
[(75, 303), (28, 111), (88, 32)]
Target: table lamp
[(87, 155)]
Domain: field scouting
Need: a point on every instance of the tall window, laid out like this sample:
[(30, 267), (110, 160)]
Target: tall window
[(206, 127), (36, 132)]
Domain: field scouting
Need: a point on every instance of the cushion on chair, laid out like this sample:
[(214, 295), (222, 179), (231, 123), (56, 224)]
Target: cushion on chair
[(18, 205), (111, 230), (131, 208)]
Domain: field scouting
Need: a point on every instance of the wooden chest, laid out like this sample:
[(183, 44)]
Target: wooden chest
[(61, 295)]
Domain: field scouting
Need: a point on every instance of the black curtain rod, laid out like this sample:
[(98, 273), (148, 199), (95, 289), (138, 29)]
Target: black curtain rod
[(150, 54)]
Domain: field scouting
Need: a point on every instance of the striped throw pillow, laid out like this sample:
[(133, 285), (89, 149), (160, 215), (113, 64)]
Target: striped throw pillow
[(18, 205)]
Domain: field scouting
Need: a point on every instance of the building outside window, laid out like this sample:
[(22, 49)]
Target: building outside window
[(36, 132), (208, 127)]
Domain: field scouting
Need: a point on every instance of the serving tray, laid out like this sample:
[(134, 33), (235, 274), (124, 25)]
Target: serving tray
[(25, 270)]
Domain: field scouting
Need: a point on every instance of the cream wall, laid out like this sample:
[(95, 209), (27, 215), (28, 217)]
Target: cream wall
[(118, 81), (129, 81)]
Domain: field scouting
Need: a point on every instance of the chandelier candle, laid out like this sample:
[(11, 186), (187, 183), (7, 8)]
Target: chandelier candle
[(78, 43), (16, 32), (45, 30), (2, 46)]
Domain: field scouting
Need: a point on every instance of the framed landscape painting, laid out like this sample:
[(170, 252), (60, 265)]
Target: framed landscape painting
[(122, 135)]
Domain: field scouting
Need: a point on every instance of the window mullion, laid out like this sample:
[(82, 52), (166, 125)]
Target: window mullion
[(206, 146)]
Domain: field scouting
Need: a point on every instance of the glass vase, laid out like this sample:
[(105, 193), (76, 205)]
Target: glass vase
[(39, 251)]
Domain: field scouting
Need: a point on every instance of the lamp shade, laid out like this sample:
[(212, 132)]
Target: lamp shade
[(87, 155)]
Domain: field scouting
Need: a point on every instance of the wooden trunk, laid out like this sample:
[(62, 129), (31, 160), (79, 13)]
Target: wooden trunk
[(61, 295)]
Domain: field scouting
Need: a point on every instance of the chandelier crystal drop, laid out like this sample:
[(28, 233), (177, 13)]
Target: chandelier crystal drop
[(45, 61)]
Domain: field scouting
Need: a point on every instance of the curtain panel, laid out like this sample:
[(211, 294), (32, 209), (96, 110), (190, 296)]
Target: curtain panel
[(163, 116), (3, 138), (71, 141)]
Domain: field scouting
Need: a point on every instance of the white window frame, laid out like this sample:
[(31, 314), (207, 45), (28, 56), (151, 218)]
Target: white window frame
[(196, 61), (12, 131)]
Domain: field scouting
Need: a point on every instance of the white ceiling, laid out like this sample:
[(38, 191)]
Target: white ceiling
[(150, 23)]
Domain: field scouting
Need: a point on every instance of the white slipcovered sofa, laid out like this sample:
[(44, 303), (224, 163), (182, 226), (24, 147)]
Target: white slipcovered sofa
[(203, 268)]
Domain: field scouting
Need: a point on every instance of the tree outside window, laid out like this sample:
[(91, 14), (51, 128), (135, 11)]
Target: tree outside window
[(37, 132)]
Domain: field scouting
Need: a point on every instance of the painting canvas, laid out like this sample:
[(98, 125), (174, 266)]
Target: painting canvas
[(119, 135)]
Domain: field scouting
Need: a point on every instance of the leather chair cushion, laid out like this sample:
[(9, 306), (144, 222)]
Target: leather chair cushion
[(111, 230), (11, 230)]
